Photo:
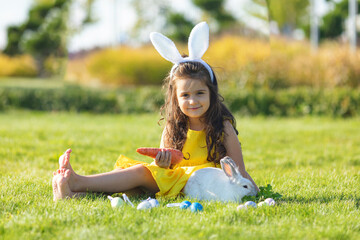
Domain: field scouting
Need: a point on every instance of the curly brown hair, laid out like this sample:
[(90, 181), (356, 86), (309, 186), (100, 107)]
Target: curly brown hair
[(177, 123)]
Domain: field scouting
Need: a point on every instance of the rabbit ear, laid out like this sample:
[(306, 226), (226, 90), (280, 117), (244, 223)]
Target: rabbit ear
[(198, 40), (165, 47), (229, 167)]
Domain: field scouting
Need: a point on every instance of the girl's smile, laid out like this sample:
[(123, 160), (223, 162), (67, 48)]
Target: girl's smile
[(193, 97)]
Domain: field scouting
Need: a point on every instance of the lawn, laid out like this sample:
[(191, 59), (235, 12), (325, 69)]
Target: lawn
[(313, 162)]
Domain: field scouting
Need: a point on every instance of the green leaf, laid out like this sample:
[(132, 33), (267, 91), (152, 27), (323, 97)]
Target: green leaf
[(265, 192)]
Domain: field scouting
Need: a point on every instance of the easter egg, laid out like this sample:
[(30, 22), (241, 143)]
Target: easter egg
[(117, 202), (250, 204), (241, 207), (196, 207), (153, 202), (270, 201), (173, 205), (185, 204), (262, 204), (144, 205)]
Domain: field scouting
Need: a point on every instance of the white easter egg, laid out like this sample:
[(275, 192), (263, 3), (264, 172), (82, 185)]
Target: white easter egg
[(117, 202), (153, 202), (270, 201), (250, 204), (261, 204), (144, 205), (241, 207)]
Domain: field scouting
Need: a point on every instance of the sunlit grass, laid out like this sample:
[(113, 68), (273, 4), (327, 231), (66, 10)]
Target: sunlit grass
[(313, 162)]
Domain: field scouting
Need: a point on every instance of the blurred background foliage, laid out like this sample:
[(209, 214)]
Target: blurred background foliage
[(264, 71), (334, 22), (288, 14), (44, 35)]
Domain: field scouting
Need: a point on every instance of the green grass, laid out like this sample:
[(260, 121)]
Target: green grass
[(313, 162)]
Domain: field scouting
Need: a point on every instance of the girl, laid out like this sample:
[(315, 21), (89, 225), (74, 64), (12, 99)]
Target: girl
[(197, 123)]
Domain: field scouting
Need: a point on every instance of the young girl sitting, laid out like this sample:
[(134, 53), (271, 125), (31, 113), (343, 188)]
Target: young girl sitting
[(197, 123)]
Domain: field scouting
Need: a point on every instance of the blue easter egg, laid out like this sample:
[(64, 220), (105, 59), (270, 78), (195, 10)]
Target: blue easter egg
[(250, 204), (153, 202), (196, 207), (185, 204)]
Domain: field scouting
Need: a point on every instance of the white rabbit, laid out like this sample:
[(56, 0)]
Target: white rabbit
[(226, 184)]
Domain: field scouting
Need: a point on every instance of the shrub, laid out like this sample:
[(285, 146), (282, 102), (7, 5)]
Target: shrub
[(17, 66), (128, 66), (66, 99), (294, 64), (342, 102), (239, 62)]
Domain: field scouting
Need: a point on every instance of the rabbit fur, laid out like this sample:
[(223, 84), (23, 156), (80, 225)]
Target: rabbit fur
[(226, 184)]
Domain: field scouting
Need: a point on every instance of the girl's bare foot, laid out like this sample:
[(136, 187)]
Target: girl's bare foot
[(55, 186), (64, 163), (64, 160), (61, 188)]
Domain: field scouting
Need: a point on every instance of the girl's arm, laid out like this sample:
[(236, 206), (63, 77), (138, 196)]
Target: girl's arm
[(233, 150), (162, 144), (163, 159)]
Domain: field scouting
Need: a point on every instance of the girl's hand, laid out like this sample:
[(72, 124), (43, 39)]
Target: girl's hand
[(163, 159)]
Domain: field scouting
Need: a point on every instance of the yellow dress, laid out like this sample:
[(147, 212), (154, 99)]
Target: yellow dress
[(172, 181)]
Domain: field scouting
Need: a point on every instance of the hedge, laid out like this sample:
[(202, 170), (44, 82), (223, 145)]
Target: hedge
[(338, 102), (238, 61)]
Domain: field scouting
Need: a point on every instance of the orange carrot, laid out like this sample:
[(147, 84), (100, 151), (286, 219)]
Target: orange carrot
[(176, 155)]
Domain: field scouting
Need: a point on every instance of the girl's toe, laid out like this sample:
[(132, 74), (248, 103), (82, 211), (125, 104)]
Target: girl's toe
[(67, 173)]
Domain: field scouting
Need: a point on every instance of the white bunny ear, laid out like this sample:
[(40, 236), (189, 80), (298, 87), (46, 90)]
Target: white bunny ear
[(165, 47), (198, 40), (230, 169)]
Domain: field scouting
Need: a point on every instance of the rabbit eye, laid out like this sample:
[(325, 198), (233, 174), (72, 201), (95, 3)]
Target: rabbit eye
[(245, 186)]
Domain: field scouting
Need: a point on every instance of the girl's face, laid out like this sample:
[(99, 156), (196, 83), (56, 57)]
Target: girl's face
[(193, 97)]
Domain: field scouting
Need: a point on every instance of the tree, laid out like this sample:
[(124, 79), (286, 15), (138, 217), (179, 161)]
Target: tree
[(45, 33), (258, 9), (151, 16), (261, 11), (214, 9), (333, 23), (157, 15), (49, 37), (289, 14), (178, 26), (14, 34)]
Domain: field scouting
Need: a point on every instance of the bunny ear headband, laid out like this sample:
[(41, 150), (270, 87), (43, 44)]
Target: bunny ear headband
[(198, 44)]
